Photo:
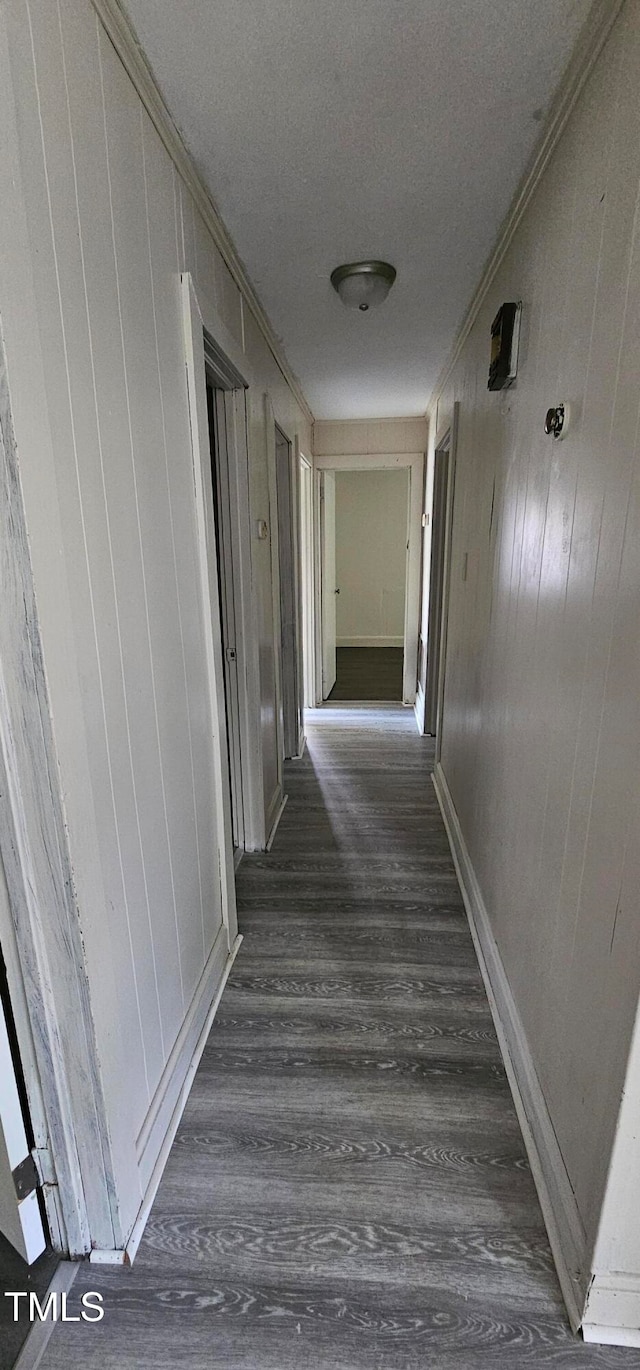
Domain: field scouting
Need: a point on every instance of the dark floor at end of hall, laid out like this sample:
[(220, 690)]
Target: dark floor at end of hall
[(368, 673)]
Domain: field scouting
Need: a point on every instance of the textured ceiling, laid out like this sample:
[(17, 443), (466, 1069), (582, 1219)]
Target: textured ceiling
[(334, 130)]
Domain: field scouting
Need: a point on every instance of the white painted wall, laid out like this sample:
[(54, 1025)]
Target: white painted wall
[(371, 557), (362, 437), (542, 705), (90, 303)]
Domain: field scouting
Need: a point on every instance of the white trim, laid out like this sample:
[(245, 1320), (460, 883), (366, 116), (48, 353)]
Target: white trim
[(246, 620), (288, 567), (276, 821), (610, 1336), (248, 656), (140, 1223), (126, 43), (593, 37), (374, 461), (296, 519), (369, 642), (150, 1139), (126, 1257), (104, 1256), (612, 1310), (274, 550), (40, 1333), (225, 515), (385, 461), (201, 457), (418, 708), (447, 442), (39, 876), (557, 1200), (307, 564)]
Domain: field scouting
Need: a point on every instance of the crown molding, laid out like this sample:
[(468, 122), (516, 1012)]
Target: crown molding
[(122, 34), (593, 36)]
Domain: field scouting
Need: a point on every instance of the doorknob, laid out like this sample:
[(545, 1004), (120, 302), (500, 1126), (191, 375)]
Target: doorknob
[(336, 592)]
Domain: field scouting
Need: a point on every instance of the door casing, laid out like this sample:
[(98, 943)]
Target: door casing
[(445, 454), (414, 461), (288, 511), (328, 588)]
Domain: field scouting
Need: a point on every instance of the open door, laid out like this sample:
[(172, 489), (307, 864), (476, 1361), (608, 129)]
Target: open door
[(287, 508), (436, 587), (20, 1220), (328, 580), (441, 524), (220, 414)]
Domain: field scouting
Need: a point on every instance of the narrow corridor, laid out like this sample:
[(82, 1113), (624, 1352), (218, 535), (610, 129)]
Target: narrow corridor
[(349, 1186)]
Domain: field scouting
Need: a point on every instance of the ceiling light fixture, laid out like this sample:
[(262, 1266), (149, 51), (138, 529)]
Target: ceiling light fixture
[(361, 285)]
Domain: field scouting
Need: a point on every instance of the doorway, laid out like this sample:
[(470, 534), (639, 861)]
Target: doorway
[(227, 498), (328, 587), (222, 513), (287, 503), (307, 583), (371, 523), (440, 557), (369, 535)]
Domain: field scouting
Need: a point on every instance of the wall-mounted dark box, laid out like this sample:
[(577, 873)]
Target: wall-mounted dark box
[(505, 338)]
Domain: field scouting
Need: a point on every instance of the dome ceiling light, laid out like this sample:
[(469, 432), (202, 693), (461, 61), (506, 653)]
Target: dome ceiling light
[(362, 285)]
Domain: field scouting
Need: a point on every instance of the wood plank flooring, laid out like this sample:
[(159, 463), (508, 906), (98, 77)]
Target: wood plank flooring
[(348, 1189), (371, 673)]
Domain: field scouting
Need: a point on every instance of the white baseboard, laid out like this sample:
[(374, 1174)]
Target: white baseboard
[(151, 1136), (370, 642), (418, 708), (612, 1311), (557, 1200), (191, 1043), (274, 825)]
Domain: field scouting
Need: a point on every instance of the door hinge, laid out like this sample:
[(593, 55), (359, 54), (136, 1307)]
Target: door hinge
[(231, 654), (43, 1162), (25, 1177)]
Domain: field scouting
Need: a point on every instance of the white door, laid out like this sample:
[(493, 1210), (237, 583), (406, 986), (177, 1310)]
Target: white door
[(329, 589), (289, 608), (220, 414), (306, 563), (20, 1220)]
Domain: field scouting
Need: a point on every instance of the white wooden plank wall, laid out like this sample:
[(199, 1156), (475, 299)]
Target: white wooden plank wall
[(542, 721), (111, 226)]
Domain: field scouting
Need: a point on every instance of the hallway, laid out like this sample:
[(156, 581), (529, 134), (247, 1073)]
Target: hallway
[(348, 1188)]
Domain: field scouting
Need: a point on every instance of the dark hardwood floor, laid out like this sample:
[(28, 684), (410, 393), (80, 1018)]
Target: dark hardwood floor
[(371, 673), (348, 1189)]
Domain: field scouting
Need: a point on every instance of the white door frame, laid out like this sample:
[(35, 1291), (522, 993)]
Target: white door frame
[(288, 505), (328, 587), (447, 442), (40, 931), (317, 584), (213, 339), (208, 562), (414, 462), (307, 568), (296, 515), (278, 798)]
